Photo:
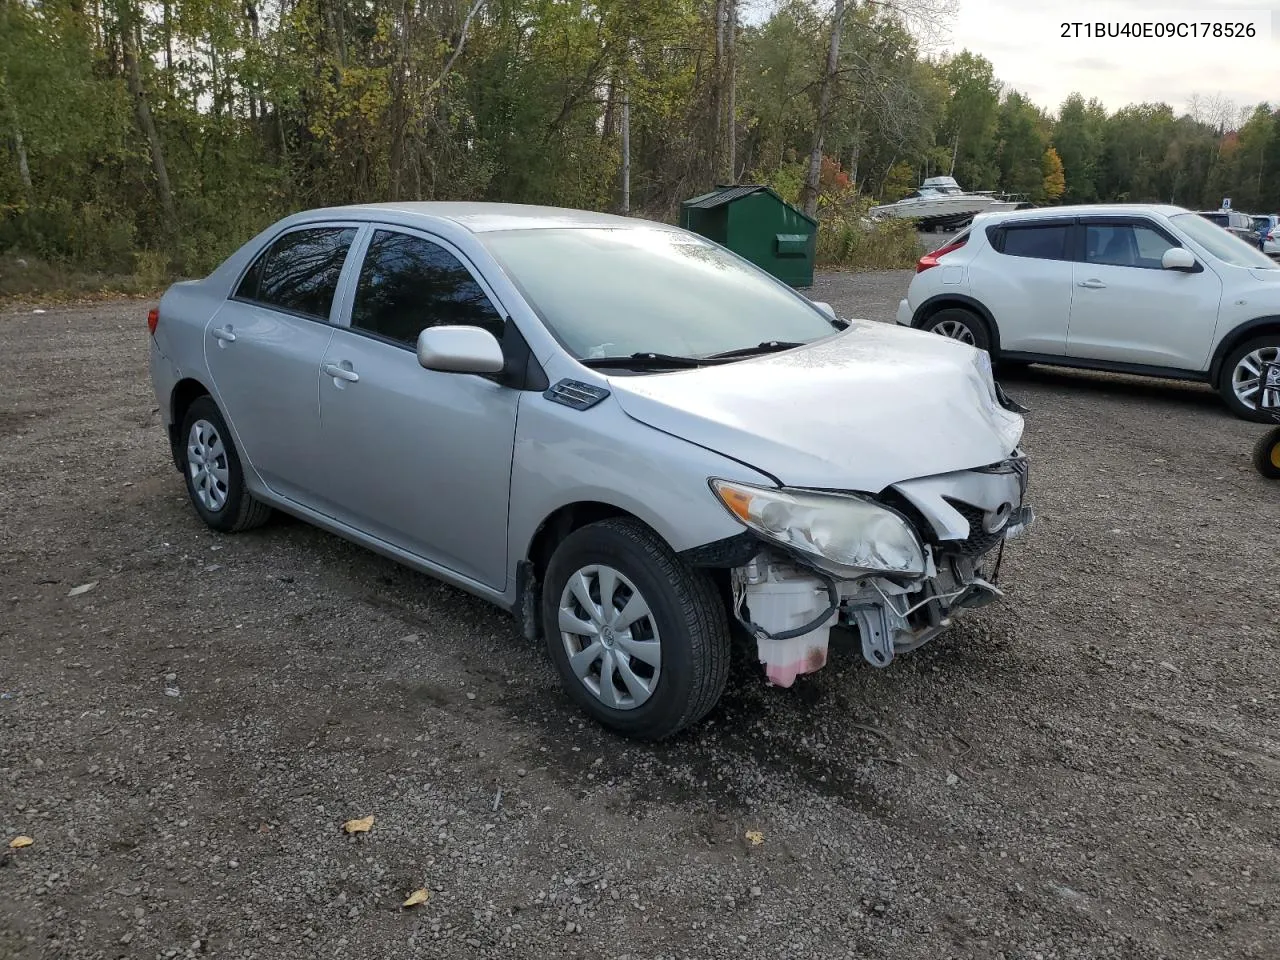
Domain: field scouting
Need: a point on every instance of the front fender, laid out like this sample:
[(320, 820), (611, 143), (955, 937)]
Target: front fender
[(565, 456)]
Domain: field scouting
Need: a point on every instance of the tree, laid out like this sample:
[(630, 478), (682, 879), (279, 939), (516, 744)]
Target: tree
[(1021, 146), (1055, 182), (1077, 139), (826, 93), (971, 119)]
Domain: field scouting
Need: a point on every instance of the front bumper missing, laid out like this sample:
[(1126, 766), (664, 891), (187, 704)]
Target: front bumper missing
[(790, 610), (790, 607)]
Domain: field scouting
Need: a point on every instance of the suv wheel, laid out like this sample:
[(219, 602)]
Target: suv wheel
[(215, 479), (960, 324), (1241, 380), (641, 641)]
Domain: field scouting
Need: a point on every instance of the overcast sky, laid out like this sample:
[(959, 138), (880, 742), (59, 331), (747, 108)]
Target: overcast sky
[(1022, 39)]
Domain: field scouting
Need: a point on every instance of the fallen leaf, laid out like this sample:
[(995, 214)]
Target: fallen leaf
[(83, 588), (359, 826), (952, 779), (22, 841), (755, 837), (417, 897)]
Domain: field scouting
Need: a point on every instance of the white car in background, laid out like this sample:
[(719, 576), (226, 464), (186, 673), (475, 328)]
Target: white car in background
[(1132, 288), (1271, 239)]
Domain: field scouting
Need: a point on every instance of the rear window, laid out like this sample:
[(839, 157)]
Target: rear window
[(299, 272), (1045, 241)]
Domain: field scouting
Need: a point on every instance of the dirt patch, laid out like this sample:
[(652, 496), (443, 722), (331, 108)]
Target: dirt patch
[(1089, 769)]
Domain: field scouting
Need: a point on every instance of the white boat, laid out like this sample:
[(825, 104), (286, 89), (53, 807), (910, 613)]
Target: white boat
[(939, 203)]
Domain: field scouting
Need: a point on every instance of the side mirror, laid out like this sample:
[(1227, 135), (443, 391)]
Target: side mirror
[(825, 308), (1178, 258), (460, 350)]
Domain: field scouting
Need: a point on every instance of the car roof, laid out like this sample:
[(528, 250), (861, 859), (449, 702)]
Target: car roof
[(479, 217), (1085, 210)]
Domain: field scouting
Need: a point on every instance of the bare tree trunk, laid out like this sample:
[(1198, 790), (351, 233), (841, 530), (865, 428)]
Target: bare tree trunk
[(731, 122), (24, 169), (809, 193), (398, 118), (257, 105), (717, 93), (609, 121), (142, 111), (19, 145), (168, 50), (626, 152), (457, 51)]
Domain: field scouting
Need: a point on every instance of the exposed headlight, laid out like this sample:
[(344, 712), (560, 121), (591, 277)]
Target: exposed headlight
[(840, 533)]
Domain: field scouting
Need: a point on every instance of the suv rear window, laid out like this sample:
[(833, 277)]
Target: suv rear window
[(1042, 241)]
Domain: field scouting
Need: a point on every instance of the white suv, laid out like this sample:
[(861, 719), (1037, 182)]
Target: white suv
[(1133, 288)]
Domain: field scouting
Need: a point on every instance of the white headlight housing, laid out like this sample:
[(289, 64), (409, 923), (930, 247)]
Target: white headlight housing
[(843, 534)]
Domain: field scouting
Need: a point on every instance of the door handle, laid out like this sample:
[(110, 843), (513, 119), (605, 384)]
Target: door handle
[(342, 373), (224, 333), (1091, 284)]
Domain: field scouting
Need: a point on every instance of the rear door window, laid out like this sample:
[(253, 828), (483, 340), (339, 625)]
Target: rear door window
[(299, 272), (1044, 241)]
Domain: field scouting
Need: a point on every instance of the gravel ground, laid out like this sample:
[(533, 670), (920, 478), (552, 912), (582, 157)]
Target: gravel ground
[(1090, 769)]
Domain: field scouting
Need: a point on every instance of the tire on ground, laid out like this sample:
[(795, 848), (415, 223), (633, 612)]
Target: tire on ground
[(1266, 454), (691, 621), (1226, 387), (240, 511), (976, 326)]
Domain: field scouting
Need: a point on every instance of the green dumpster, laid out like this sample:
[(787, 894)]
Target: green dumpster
[(757, 224)]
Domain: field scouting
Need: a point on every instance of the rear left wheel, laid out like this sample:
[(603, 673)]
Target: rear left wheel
[(215, 478), (640, 640), (957, 323)]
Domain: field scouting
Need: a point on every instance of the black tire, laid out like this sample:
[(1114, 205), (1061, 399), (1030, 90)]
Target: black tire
[(1266, 454), (1226, 388), (685, 607), (949, 317), (239, 511)]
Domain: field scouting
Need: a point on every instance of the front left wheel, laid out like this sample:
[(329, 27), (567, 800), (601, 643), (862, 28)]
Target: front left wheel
[(1266, 454), (639, 638)]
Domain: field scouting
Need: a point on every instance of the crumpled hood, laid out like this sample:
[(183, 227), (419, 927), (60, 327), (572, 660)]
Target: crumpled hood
[(873, 406)]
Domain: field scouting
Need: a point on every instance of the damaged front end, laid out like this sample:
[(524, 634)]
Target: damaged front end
[(820, 565)]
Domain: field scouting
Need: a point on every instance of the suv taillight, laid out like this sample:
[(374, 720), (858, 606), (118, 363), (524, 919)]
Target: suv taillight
[(153, 318), (931, 259)]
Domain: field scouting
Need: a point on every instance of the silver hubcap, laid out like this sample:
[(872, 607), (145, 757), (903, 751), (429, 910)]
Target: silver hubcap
[(207, 465), (1246, 378), (955, 330), (610, 637)]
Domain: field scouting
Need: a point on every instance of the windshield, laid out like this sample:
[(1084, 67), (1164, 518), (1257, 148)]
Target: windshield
[(607, 292), (1227, 247)]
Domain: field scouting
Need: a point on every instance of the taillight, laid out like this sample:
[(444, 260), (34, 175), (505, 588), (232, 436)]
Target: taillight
[(153, 318), (931, 259)]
